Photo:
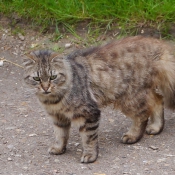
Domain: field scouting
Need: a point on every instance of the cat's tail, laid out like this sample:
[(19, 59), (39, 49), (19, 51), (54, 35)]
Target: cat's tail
[(166, 78)]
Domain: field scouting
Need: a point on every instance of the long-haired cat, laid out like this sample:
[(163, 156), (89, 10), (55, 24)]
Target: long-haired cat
[(135, 74)]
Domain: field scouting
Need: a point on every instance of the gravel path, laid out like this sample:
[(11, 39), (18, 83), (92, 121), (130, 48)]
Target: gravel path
[(26, 130)]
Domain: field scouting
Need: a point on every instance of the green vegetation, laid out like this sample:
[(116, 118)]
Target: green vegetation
[(100, 13)]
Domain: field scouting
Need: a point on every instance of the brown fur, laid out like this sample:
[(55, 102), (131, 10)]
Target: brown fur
[(136, 74)]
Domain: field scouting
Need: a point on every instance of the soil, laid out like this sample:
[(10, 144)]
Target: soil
[(26, 130)]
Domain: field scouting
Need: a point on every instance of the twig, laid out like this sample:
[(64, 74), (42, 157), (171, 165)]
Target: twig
[(3, 59)]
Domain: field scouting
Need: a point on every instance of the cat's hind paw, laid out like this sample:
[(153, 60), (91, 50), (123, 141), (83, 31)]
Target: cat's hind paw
[(56, 150), (153, 129), (129, 139)]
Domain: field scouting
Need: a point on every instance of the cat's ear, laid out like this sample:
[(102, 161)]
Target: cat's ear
[(29, 59), (55, 57)]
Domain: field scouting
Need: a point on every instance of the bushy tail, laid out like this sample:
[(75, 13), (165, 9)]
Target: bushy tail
[(166, 78)]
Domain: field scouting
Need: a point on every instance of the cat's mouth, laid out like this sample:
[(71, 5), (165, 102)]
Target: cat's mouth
[(46, 92)]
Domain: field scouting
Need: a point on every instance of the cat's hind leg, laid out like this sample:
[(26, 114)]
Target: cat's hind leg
[(138, 109), (137, 129), (156, 122), (61, 130)]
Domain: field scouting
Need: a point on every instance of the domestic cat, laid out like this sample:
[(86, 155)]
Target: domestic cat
[(135, 74)]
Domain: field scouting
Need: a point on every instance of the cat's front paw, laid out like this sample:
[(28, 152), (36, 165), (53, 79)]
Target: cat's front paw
[(129, 139), (88, 158), (56, 150)]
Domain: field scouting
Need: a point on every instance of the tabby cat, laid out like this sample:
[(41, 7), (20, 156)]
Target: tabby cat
[(135, 74)]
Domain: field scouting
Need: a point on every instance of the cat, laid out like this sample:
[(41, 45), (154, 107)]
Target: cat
[(135, 74)]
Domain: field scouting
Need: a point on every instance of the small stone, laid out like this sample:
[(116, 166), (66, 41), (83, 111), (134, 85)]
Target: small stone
[(4, 36), (17, 155), (79, 150), (161, 160), (170, 155), (9, 159), (10, 146), (77, 144), (21, 37), (56, 161), (47, 162), (166, 164), (55, 171), (32, 38), (111, 120), (1, 62), (25, 168), (31, 135), (10, 128), (5, 142), (153, 147), (34, 45), (142, 31), (67, 45), (22, 48), (116, 159)]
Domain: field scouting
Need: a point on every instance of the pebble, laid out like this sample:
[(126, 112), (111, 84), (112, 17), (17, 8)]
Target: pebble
[(17, 155), (4, 36), (21, 37), (22, 48), (161, 160), (77, 144), (33, 45), (31, 135), (5, 142), (67, 45), (25, 168), (111, 120), (56, 161), (10, 128), (153, 147), (55, 171), (29, 161), (10, 146), (170, 155), (47, 162), (79, 150), (9, 159), (1, 62), (116, 159)]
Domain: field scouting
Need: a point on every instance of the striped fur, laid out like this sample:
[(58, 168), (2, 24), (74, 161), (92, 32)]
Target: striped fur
[(135, 74)]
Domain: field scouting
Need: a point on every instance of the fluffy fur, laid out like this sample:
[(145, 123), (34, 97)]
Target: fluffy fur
[(136, 74)]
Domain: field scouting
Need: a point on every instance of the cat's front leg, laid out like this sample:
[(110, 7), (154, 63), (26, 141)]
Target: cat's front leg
[(89, 135), (61, 130)]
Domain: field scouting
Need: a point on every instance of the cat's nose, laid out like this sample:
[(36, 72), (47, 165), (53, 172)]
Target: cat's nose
[(45, 88)]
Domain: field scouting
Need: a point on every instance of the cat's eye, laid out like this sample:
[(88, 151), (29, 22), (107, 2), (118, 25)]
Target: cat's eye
[(53, 77), (36, 78)]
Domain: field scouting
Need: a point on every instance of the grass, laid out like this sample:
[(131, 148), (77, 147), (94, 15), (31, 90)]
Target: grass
[(101, 13)]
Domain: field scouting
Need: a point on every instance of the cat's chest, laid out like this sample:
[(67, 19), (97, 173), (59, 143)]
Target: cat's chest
[(59, 109)]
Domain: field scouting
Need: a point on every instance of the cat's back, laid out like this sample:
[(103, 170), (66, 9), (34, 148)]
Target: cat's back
[(129, 47), (128, 53), (126, 65)]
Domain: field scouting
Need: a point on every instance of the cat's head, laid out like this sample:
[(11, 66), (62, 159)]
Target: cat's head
[(45, 71)]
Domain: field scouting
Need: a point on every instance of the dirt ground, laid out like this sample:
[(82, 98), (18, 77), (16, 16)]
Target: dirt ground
[(26, 131)]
